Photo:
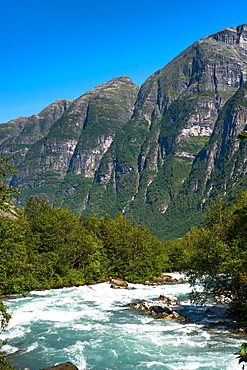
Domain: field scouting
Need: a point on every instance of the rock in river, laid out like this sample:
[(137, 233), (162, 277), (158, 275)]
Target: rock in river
[(119, 282), (66, 366)]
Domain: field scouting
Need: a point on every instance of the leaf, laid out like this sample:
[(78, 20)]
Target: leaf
[(242, 355), (242, 135)]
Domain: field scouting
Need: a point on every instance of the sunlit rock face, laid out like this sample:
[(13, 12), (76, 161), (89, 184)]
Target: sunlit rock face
[(86, 161), (225, 159)]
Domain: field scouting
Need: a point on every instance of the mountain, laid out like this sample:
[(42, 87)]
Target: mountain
[(67, 138), (156, 153)]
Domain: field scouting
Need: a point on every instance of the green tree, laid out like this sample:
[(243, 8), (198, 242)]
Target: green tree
[(6, 191), (219, 255), (133, 252), (65, 252), (13, 256), (4, 319)]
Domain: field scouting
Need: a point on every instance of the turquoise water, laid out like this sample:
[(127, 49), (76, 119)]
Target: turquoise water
[(91, 327)]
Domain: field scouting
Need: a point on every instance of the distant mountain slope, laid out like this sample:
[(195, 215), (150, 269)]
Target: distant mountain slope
[(73, 142), (174, 117), (140, 151)]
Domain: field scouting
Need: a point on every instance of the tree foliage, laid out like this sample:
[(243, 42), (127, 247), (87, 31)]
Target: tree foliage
[(4, 319), (133, 253), (216, 254), (242, 355), (49, 247), (6, 191)]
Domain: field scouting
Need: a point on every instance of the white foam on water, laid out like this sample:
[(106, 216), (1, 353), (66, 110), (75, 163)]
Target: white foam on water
[(186, 341), (154, 363), (144, 365), (130, 328), (145, 319), (191, 366), (32, 347), (111, 297), (58, 316), (114, 352), (94, 343), (232, 364), (75, 353), (82, 327), (41, 292), (15, 332), (9, 349)]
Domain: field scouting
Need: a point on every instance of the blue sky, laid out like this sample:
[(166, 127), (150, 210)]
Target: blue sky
[(56, 49)]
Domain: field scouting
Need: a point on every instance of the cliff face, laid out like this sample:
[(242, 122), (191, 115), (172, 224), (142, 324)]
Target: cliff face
[(150, 153), (220, 168)]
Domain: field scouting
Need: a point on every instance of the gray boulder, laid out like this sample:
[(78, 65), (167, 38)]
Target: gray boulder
[(119, 282)]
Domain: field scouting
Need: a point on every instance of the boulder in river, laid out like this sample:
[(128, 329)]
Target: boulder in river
[(158, 308), (119, 282), (222, 299), (66, 366), (168, 300), (240, 331), (165, 279)]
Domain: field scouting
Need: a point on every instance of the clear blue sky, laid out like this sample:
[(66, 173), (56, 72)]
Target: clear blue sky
[(57, 49)]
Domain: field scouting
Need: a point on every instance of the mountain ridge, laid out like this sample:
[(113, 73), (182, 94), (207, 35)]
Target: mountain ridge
[(120, 147)]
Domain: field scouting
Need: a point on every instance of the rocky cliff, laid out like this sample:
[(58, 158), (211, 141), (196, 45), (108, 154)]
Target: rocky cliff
[(220, 168), (140, 150)]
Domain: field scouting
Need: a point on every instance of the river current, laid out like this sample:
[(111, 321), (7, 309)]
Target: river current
[(92, 327)]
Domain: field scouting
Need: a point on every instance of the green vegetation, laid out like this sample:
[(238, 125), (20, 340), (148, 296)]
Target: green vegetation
[(6, 191), (4, 319), (51, 248), (242, 355), (193, 144), (5, 205), (216, 254)]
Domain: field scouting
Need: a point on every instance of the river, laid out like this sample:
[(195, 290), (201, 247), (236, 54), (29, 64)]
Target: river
[(92, 327)]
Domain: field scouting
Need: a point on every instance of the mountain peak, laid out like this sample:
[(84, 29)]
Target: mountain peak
[(231, 35), (242, 27), (121, 79)]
